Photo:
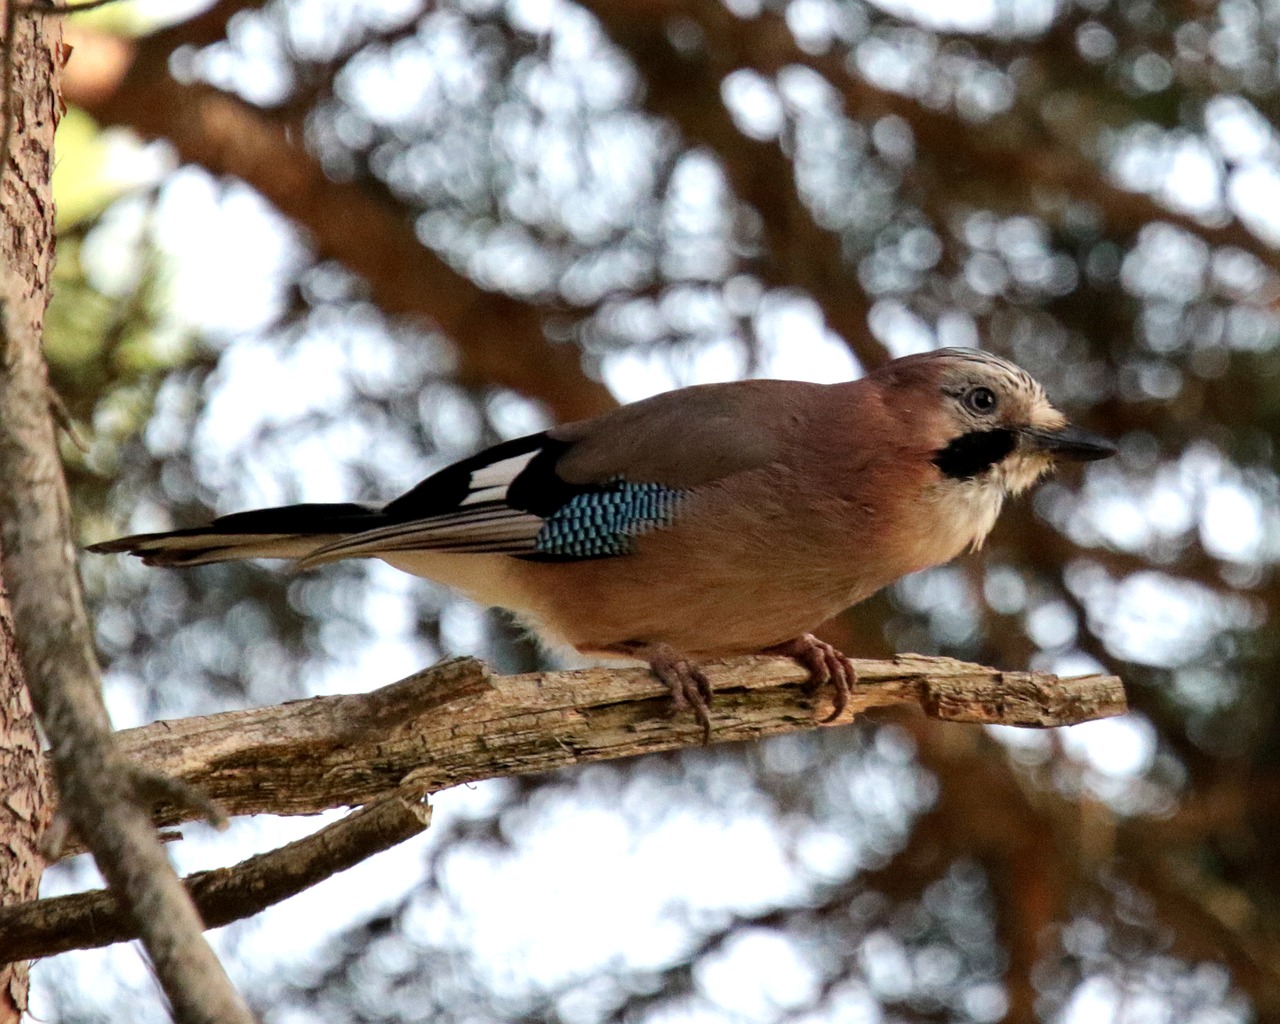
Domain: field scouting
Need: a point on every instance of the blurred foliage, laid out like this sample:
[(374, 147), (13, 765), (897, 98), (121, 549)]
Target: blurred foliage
[(681, 190), (79, 178)]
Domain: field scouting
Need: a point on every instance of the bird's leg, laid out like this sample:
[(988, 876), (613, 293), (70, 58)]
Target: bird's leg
[(825, 665), (688, 684)]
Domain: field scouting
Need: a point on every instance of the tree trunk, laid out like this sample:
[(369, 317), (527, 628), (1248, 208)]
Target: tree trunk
[(23, 810), (26, 258)]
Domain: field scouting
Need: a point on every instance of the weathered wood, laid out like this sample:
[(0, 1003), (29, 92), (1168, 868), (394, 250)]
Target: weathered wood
[(456, 723)]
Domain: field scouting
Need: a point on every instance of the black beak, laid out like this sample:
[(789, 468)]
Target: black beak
[(1070, 443)]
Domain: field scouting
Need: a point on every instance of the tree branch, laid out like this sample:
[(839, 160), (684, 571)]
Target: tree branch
[(92, 919), (24, 812), (51, 8), (456, 723), (52, 633)]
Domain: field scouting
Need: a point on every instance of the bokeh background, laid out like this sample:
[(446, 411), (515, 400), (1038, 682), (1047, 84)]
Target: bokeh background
[(311, 250)]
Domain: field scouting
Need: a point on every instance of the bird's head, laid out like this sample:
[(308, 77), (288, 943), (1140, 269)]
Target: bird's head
[(988, 421)]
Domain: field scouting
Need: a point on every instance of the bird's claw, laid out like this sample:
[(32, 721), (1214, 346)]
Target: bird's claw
[(825, 665), (690, 688)]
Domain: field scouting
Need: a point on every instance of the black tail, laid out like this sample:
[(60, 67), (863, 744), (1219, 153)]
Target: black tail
[(290, 531)]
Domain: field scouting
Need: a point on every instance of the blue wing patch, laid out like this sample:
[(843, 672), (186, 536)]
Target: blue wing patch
[(603, 522)]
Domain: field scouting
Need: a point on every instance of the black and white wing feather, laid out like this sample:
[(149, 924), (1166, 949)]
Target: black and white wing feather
[(511, 500), (507, 500)]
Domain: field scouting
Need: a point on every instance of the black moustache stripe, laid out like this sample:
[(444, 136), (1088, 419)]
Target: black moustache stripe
[(973, 453)]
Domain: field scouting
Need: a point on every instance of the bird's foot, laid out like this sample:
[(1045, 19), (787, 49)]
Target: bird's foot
[(825, 665), (688, 684)]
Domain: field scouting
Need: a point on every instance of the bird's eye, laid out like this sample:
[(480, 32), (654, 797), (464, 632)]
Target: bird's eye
[(980, 400)]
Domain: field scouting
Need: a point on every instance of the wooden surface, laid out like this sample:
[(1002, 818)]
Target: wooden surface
[(388, 750), (457, 723)]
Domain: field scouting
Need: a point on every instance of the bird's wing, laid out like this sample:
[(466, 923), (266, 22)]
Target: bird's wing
[(584, 490)]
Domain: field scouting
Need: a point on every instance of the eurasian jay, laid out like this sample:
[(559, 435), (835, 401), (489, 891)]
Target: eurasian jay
[(714, 520)]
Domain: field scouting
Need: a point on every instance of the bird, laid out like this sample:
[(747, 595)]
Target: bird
[(701, 523)]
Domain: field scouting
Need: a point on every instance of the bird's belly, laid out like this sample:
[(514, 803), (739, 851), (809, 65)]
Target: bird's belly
[(701, 607)]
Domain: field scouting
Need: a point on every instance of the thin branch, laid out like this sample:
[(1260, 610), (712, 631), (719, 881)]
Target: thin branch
[(92, 919), (53, 638), (60, 9)]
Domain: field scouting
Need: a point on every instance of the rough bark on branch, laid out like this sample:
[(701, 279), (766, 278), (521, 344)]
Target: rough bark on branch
[(456, 723), (24, 812), (28, 67)]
